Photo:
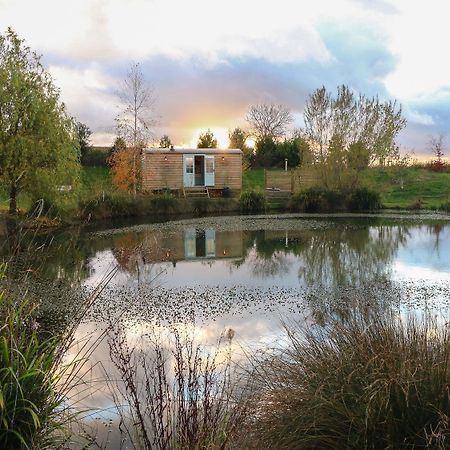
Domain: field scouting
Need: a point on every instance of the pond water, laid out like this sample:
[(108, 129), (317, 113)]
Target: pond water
[(250, 274)]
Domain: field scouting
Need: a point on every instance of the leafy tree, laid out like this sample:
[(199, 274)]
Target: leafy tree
[(119, 144), (238, 138), (165, 142), (265, 152), (83, 136), (344, 128), (134, 124), (268, 121), (207, 140), (39, 151), (269, 153), (295, 150)]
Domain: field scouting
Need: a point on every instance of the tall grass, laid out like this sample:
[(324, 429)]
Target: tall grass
[(368, 381), (30, 407), (36, 382)]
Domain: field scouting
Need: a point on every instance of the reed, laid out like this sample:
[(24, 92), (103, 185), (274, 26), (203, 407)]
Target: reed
[(368, 381)]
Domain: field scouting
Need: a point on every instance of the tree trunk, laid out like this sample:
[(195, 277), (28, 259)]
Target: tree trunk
[(13, 199)]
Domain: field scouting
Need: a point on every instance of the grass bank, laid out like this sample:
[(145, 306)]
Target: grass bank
[(410, 188)]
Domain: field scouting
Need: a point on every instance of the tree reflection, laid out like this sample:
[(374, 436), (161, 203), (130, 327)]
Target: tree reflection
[(350, 257), (334, 256)]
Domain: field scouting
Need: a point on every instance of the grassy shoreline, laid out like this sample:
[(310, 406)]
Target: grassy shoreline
[(407, 189)]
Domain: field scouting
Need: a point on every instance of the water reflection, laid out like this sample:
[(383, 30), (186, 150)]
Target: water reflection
[(334, 256)]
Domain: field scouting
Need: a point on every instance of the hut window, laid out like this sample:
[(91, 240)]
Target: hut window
[(190, 165), (209, 165)]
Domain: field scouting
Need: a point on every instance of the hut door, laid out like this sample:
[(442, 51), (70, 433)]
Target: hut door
[(209, 171), (188, 171)]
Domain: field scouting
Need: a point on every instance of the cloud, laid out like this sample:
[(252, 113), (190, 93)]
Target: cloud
[(88, 95), (209, 60), (418, 118)]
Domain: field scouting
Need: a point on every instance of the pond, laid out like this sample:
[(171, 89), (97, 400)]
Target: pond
[(248, 274)]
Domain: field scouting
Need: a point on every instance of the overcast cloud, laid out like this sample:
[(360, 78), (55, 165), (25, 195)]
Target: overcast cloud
[(207, 61)]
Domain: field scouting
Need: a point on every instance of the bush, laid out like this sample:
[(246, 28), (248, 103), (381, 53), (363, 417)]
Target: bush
[(445, 207), (109, 204), (252, 201), (200, 206), (163, 203), (371, 381), (364, 200), (316, 199), (309, 200)]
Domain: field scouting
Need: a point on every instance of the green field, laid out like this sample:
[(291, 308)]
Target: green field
[(413, 188)]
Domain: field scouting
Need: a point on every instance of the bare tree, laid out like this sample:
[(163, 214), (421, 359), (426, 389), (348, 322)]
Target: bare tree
[(268, 120), (436, 145), (135, 122)]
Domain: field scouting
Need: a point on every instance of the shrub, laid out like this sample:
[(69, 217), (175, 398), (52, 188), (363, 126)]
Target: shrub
[(369, 381), (252, 201), (417, 204), (163, 203), (364, 199), (188, 400), (309, 200), (200, 206), (109, 204), (445, 207)]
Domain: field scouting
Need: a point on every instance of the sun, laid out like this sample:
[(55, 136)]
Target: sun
[(221, 134)]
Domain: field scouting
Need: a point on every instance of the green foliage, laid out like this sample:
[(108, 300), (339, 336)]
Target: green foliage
[(445, 207), (270, 153), (165, 142), (252, 201), (367, 380), (293, 150), (164, 203), (207, 140), (238, 138), (265, 152), (349, 132), (317, 199), (30, 406), (311, 200), (108, 204), (83, 135), (39, 150), (95, 157), (364, 200)]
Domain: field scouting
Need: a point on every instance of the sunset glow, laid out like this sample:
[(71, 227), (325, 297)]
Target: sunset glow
[(207, 65)]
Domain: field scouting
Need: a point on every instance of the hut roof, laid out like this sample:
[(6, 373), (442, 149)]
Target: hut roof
[(193, 151)]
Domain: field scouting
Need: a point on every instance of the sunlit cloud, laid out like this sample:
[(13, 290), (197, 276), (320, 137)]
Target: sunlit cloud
[(209, 61)]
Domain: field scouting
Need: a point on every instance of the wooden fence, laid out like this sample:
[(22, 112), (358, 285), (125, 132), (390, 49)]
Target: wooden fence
[(280, 182)]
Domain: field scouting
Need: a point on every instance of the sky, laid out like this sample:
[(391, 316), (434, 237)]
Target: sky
[(206, 61)]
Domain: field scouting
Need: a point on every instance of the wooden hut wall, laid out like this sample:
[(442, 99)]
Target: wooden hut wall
[(161, 173)]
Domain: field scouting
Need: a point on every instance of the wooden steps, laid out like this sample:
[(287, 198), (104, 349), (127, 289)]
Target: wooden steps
[(196, 192)]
